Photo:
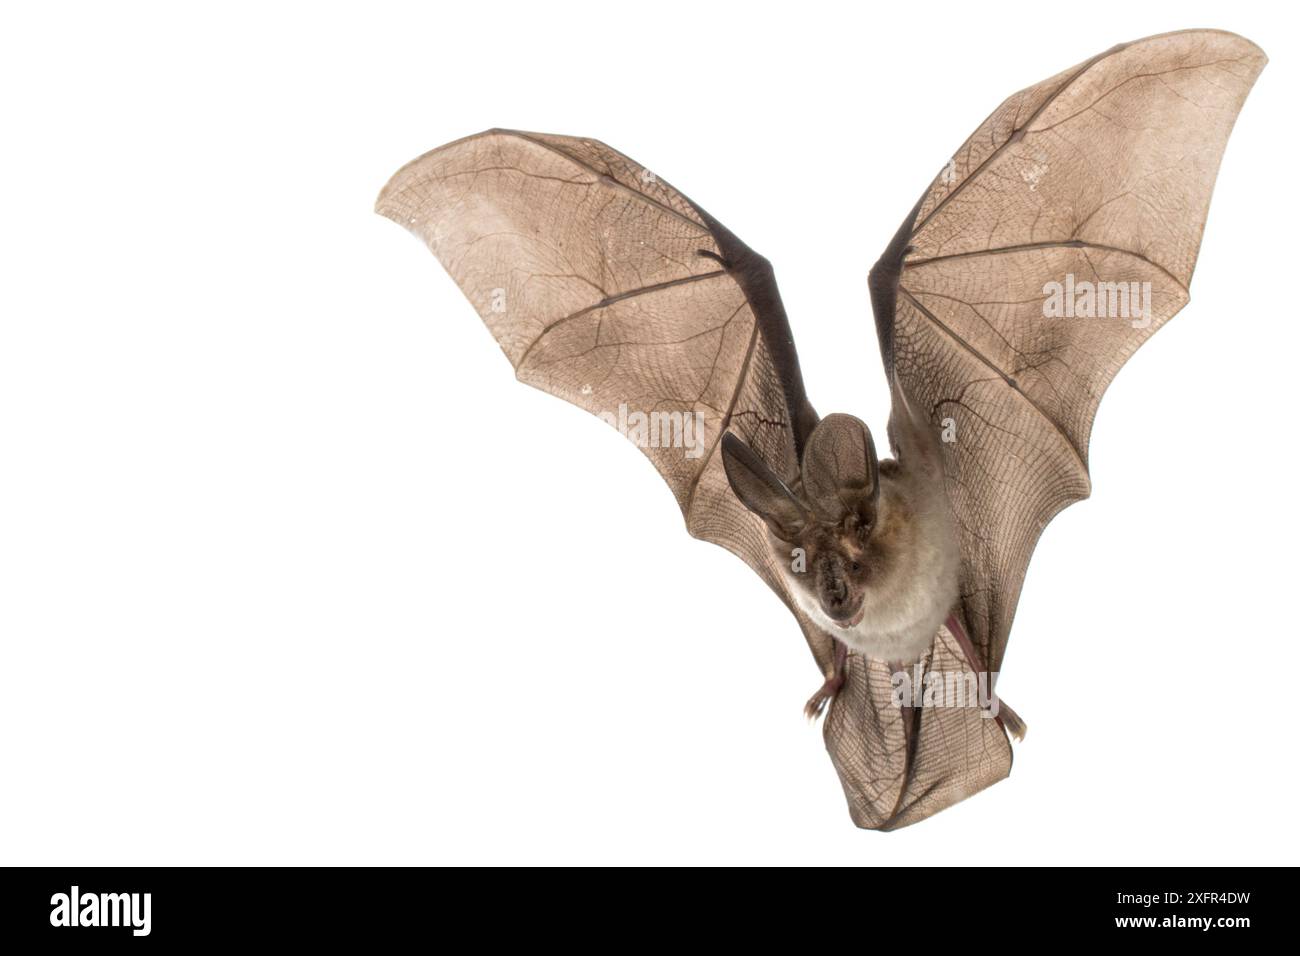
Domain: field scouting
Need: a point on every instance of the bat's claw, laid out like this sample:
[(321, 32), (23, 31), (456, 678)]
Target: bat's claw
[(819, 701), (1010, 721)]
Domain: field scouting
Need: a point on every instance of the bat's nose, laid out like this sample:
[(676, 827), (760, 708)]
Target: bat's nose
[(838, 592)]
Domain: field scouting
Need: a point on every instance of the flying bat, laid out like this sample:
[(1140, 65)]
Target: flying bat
[(1057, 239)]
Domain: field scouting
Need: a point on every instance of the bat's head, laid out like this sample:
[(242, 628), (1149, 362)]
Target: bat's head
[(826, 522)]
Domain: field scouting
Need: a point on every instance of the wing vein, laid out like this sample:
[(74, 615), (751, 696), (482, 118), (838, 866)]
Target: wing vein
[(610, 300), (607, 178), (1010, 382), (754, 337), (1015, 135), (1058, 244)]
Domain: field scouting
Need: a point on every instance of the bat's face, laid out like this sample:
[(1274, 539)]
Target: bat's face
[(825, 526), (882, 578), (833, 565)]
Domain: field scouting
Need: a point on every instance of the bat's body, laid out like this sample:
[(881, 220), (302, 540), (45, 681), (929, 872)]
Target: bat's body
[(902, 607), (907, 565), (1053, 244)]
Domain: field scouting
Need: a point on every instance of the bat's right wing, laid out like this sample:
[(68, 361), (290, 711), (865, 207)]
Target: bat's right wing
[(607, 287)]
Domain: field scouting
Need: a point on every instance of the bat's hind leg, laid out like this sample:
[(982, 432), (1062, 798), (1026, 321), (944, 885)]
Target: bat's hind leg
[(1010, 720), (819, 701), (1007, 718)]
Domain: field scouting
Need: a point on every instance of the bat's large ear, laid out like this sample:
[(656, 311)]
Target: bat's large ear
[(762, 491), (841, 473)]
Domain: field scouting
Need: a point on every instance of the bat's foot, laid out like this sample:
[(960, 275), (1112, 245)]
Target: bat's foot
[(819, 701), (1007, 718), (1010, 721)]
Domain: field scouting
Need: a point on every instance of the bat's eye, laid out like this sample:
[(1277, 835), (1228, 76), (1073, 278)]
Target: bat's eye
[(854, 566)]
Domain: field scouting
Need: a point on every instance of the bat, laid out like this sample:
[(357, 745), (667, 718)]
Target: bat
[(1057, 239)]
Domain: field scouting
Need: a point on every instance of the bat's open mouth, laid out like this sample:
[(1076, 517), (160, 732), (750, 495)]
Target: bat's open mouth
[(854, 621)]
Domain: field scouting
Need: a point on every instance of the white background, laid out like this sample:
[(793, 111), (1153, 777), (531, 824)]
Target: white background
[(293, 571)]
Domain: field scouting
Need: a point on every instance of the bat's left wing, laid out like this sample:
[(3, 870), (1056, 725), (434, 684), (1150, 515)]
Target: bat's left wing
[(1057, 240)]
